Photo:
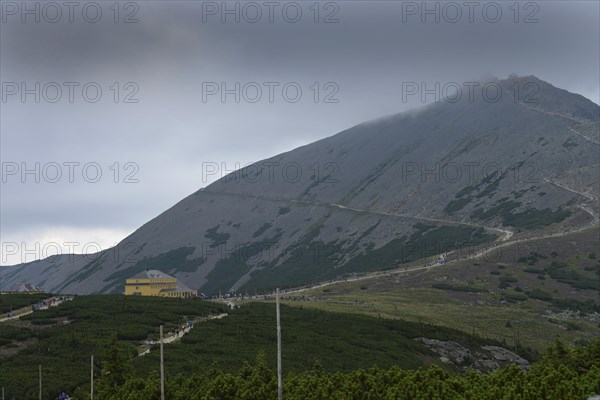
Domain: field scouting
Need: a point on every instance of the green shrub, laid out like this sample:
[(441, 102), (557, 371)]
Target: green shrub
[(515, 296), (539, 295), (457, 288)]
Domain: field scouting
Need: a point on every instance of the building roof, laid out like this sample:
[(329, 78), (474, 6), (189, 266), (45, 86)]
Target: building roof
[(151, 274), (180, 288), (23, 287)]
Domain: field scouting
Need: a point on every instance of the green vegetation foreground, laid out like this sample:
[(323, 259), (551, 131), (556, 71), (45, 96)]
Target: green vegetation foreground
[(563, 373), (208, 363)]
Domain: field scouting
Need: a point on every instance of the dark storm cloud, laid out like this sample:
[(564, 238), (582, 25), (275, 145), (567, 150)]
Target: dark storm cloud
[(175, 48)]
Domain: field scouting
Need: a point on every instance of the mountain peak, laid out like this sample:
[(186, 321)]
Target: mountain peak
[(468, 172)]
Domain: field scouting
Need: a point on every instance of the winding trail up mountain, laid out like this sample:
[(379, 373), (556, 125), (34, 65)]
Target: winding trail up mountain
[(592, 141), (404, 270), (586, 195), (481, 253), (175, 337), (507, 234), (562, 115)]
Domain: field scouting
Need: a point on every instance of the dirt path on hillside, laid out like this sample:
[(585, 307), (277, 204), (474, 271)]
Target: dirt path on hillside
[(565, 116), (145, 349), (404, 270), (559, 185), (27, 310), (507, 234)]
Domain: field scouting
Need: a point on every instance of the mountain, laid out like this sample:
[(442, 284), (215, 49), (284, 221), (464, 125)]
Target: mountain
[(386, 192)]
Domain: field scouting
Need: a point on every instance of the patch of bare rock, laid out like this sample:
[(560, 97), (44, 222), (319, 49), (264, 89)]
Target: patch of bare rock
[(485, 359)]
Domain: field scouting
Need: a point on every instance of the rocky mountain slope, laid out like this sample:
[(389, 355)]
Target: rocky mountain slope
[(374, 196)]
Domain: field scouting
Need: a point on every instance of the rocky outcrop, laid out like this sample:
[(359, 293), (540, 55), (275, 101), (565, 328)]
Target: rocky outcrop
[(483, 359)]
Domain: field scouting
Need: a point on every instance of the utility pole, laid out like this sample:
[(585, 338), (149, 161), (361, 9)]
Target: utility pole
[(40, 378), (279, 378), (162, 367), (92, 378)]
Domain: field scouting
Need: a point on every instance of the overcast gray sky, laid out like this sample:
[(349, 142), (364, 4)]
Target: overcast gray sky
[(348, 58)]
